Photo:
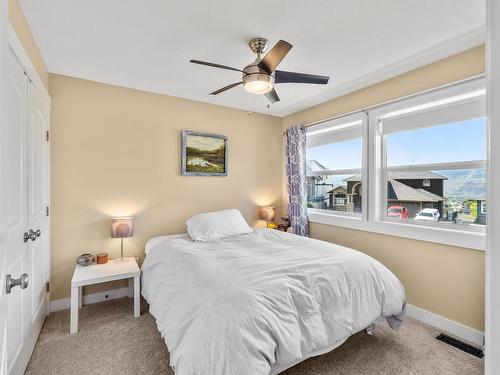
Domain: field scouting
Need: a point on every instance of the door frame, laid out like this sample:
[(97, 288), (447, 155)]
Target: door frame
[(492, 308), (23, 57), (3, 180)]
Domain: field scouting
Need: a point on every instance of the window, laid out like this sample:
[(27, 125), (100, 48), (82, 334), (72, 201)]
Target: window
[(434, 160), (335, 155), (414, 168)]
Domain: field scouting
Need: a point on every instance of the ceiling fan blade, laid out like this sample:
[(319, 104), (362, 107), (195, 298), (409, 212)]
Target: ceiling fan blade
[(292, 77), (272, 96), (226, 88), (272, 59), (215, 65)]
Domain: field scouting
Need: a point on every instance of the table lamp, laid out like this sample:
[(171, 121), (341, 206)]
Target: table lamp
[(267, 213), (122, 227)]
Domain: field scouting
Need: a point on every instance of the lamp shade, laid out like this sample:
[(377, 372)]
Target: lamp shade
[(267, 213), (122, 227)]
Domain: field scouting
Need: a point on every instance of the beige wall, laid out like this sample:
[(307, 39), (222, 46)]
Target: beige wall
[(116, 151), (18, 22), (446, 280)]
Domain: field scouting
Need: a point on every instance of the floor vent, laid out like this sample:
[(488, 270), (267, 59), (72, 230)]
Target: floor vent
[(461, 345)]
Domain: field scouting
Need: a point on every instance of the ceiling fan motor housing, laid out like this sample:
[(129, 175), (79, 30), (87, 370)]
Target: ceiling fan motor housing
[(258, 45)]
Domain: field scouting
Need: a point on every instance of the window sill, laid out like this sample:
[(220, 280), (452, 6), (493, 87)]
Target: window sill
[(446, 236)]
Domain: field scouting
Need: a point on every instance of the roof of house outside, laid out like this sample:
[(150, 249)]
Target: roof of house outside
[(356, 177), (406, 176), (405, 193), (401, 192), (336, 189), (416, 176), (314, 166)]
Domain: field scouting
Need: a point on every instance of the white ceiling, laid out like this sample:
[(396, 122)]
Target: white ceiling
[(147, 45)]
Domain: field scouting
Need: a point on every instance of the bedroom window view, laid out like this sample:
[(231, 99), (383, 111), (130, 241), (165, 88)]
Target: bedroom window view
[(431, 153), (334, 169), (436, 175)]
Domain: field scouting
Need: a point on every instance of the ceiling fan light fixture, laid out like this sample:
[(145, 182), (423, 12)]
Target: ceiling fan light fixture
[(260, 76), (258, 84)]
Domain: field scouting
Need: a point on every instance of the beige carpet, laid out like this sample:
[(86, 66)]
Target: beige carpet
[(111, 341)]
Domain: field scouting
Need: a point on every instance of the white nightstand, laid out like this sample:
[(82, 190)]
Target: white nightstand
[(100, 273)]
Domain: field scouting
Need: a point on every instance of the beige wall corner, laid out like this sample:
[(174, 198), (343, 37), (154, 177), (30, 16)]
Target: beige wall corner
[(22, 29), (116, 151), (445, 280)]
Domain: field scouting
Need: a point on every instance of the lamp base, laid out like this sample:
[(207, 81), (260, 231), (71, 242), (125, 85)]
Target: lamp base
[(120, 259)]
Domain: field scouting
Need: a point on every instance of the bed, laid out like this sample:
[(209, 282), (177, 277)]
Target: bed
[(261, 302)]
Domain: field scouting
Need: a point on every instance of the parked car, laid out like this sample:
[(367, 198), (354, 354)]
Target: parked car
[(428, 214), (398, 212)]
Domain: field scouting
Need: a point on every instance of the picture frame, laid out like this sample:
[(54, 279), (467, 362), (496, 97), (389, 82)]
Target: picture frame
[(203, 154)]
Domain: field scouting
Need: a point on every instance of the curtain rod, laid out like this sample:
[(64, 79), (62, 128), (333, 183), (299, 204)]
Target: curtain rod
[(376, 106)]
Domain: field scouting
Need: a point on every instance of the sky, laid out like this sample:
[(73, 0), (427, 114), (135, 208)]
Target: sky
[(461, 141), (204, 143)]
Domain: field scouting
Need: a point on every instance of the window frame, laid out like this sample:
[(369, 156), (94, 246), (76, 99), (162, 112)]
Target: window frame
[(374, 169), (358, 119)]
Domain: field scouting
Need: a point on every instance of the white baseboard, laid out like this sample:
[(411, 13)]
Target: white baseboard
[(458, 330), (449, 326), (64, 304)]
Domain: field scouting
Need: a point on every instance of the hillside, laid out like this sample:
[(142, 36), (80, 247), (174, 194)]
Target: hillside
[(464, 183)]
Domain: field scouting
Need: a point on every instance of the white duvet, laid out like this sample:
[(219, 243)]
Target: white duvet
[(261, 302)]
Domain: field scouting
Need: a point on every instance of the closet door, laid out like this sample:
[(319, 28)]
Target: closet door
[(36, 204), (18, 309)]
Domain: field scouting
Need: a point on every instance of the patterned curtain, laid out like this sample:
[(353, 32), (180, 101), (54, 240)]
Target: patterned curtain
[(295, 161)]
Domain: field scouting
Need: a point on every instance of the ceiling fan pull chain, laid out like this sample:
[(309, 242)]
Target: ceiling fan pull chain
[(249, 104)]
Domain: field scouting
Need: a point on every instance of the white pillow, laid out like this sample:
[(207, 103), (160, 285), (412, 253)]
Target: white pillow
[(219, 224)]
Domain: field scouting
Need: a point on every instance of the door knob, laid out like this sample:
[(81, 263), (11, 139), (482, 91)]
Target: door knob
[(31, 235), (11, 283)]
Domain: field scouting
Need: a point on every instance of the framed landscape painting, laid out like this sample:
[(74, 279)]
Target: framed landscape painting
[(203, 154)]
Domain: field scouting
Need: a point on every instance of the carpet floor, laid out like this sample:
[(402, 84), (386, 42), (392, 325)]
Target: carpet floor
[(111, 341)]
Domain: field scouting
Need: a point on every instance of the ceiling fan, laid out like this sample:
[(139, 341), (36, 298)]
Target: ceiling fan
[(260, 76)]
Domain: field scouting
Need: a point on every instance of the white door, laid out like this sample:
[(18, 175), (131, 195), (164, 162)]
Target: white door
[(26, 216), (37, 204), (17, 210)]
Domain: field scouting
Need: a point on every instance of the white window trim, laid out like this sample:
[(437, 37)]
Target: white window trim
[(446, 236), (373, 202)]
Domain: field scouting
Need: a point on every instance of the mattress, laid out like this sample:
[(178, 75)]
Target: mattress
[(259, 303)]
